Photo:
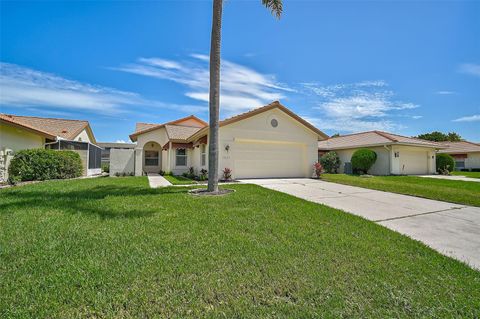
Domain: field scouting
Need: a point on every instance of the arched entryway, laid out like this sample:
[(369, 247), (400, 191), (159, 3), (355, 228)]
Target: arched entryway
[(152, 157)]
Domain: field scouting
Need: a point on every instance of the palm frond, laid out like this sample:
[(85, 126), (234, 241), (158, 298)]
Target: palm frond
[(275, 6)]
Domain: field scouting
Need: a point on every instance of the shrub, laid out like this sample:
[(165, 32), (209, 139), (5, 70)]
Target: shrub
[(106, 167), (203, 175), (445, 163), (330, 162), (41, 164), (317, 169), (227, 174), (362, 160)]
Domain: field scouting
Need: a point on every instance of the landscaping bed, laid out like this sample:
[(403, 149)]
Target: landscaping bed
[(459, 192), (113, 247)]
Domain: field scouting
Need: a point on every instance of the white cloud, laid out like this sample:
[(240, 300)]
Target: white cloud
[(470, 68), (445, 92), (25, 87), (353, 125), (472, 118), (366, 105), (120, 141), (242, 88)]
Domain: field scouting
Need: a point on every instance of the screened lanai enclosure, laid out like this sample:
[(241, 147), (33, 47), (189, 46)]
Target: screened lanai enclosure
[(90, 154)]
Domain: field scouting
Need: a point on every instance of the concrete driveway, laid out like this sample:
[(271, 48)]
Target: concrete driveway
[(451, 229)]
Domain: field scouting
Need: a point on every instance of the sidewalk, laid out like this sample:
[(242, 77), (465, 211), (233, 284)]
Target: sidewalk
[(156, 180)]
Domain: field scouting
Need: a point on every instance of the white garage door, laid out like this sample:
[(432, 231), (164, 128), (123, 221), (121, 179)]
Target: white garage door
[(413, 162), (262, 160)]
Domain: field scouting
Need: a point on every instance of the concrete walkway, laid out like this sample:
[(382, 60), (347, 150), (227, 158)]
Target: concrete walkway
[(451, 229), (453, 177), (156, 180)]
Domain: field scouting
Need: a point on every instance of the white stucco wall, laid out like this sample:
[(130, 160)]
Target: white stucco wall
[(472, 160), (122, 161), (17, 139), (83, 137)]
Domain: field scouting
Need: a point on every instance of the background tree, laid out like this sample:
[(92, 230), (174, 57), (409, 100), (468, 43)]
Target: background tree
[(276, 7), (335, 135), (454, 137), (437, 136)]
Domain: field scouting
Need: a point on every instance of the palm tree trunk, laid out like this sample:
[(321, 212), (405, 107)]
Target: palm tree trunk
[(214, 96)]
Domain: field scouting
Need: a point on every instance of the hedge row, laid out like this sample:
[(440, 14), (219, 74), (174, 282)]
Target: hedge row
[(41, 164)]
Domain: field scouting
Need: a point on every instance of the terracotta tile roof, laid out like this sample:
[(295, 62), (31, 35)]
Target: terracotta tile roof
[(142, 128), (372, 138), (274, 104), (67, 129), (180, 132), (460, 147)]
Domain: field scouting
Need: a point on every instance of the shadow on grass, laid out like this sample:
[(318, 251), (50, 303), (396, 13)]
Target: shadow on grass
[(105, 201)]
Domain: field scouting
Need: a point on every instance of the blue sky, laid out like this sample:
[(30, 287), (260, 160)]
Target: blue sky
[(405, 67)]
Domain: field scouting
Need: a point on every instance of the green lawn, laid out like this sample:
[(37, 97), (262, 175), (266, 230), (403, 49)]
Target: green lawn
[(460, 192), (114, 248), (179, 180), (467, 174)]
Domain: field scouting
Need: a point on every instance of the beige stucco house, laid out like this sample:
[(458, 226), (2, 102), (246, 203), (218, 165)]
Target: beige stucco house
[(27, 132), (466, 154), (396, 154), (270, 141)]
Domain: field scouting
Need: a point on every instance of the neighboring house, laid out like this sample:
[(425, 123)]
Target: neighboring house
[(396, 154), (26, 132), (270, 141), (466, 154)]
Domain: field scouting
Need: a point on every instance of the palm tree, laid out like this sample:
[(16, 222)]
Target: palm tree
[(276, 7)]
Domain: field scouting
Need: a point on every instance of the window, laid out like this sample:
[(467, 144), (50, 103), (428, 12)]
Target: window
[(151, 158), (274, 123), (203, 155), (181, 157), (460, 164)]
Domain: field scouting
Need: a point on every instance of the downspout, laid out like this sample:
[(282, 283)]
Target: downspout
[(389, 159)]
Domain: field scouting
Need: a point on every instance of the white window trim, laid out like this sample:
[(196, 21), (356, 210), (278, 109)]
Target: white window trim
[(177, 156)]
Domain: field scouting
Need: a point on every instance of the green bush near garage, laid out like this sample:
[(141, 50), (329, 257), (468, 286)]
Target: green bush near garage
[(445, 162), (362, 160), (42, 164), (330, 162)]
